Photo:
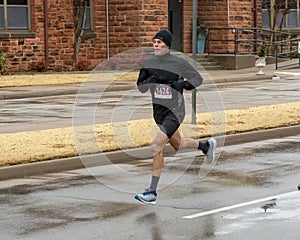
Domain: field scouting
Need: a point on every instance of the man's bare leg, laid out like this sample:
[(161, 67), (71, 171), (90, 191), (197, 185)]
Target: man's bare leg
[(177, 142), (157, 147), (208, 147)]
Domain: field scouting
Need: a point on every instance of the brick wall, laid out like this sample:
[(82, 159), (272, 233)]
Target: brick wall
[(23, 53), (132, 27), (218, 14), (215, 15), (132, 24), (187, 26)]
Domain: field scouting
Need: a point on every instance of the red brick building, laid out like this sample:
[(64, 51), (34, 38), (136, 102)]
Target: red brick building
[(40, 33)]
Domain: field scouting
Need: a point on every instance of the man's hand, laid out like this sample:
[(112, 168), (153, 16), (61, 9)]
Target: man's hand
[(152, 79), (178, 86)]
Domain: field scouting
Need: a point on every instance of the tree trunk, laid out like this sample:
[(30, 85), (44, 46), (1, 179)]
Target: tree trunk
[(79, 22)]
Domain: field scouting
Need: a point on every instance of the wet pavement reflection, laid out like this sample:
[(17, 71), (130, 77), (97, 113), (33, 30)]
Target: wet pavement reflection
[(97, 203)]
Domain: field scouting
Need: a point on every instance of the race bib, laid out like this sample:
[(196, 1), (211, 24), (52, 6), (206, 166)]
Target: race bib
[(163, 91)]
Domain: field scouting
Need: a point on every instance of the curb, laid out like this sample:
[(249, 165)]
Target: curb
[(58, 92), (66, 164)]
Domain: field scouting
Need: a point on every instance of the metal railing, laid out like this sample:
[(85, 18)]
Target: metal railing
[(287, 49), (239, 41)]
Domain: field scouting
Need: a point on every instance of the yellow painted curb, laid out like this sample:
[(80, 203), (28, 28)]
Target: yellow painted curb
[(25, 147)]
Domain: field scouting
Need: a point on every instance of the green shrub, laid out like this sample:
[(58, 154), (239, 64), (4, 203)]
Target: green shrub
[(3, 62), (294, 54), (262, 50)]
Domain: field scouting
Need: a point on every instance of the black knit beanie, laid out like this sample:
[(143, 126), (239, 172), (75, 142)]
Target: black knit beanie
[(166, 36)]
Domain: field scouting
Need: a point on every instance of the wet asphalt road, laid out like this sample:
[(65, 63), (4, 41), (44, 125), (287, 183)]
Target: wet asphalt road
[(97, 203), (105, 107)]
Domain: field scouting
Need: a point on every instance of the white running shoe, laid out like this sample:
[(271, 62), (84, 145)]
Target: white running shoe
[(149, 196), (211, 155)]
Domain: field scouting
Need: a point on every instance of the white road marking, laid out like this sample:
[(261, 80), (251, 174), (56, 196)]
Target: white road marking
[(288, 73), (241, 205)]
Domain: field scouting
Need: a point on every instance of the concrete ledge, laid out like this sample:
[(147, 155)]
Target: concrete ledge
[(234, 62)]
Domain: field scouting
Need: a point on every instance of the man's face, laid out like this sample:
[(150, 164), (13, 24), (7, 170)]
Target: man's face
[(160, 48)]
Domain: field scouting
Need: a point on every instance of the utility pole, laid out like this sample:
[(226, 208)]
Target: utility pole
[(194, 43)]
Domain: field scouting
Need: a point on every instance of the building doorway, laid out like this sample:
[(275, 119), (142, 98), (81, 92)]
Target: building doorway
[(175, 23)]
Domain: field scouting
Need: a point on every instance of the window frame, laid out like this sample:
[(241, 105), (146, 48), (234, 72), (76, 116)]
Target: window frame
[(89, 33), (89, 8), (5, 7)]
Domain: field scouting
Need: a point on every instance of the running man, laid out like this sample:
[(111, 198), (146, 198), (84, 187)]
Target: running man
[(166, 76)]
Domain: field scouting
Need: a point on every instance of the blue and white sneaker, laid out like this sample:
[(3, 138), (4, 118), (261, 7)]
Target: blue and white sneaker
[(211, 155), (149, 196)]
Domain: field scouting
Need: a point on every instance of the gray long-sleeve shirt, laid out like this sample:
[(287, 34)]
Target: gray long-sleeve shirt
[(167, 68)]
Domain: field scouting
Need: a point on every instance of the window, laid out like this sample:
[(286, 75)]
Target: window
[(293, 15), (14, 15), (292, 19), (88, 20), (78, 18), (89, 24), (88, 14)]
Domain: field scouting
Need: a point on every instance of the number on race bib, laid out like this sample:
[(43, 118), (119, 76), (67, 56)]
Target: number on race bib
[(163, 91)]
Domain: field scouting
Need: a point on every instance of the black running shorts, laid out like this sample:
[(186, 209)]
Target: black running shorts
[(168, 125)]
